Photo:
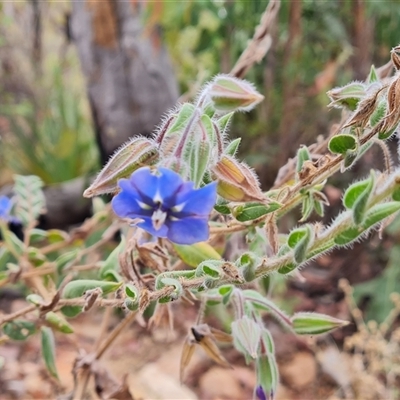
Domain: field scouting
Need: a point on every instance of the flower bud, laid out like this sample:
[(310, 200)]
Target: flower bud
[(347, 96), (395, 55), (236, 181), (136, 153), (232, 94), (306, 323)]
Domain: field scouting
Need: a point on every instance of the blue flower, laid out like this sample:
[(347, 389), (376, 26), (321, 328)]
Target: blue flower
[(261, 395), (166, 205), (5, 208)]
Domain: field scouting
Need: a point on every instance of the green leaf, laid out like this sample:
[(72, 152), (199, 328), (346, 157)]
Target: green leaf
[(251, 211), (396, 194), (35, 257), (306, 323), (360, 203), (379, 212), (295, 236), (210, 268), (372, 76), (37, 235), (222, 209), (185, 113), (194, 254), (226, 291), (348, 236), (260, 302), (77, 288), (302, 155), (199, 159), (58, 323), (49, 350), (233, 146), (302, 245), (19, 329), (307, 207), (223, 125), (132, 291), (35, 299), (65, 260), (386, 134), (111, 264), (341, 144), (30, 200), (287, 268), (14, 245), (352, 156), (353, 192), (247, 263)]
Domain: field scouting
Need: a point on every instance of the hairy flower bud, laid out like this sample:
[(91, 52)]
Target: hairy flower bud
[(395, 55), (236, 181), (138, 152), (232, 94), (347, 96)]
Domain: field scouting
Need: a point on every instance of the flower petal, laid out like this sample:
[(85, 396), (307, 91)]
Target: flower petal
[(128, 203), (5, 206), (145, 182), (169, 182), (147, 225), (197, 201), (188, 230)]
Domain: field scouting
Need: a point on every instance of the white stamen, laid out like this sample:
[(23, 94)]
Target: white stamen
[(158, 218), (142, 205), (179, 207), (157, 198)]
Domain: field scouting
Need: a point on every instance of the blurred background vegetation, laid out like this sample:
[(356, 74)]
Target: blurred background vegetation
[(46, 125)]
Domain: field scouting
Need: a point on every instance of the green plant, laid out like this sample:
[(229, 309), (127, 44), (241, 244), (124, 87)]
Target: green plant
[(51, 137)]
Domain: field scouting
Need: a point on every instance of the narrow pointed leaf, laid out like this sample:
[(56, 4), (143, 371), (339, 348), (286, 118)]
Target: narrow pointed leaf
[(194, 254), (250, 211), (49, 350)]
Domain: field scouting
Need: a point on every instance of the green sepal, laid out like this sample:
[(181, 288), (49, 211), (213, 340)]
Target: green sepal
[(246, 336), (185, 113), (233, 146), (372, 76)]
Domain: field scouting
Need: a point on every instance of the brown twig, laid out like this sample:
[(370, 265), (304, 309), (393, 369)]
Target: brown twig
[(261, 42)]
